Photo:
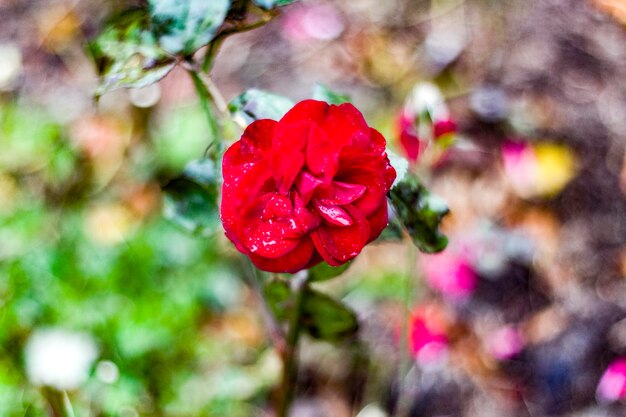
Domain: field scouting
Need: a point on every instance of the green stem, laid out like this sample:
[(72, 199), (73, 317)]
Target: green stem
[(273, 327), (290, 362), (60, 405), (206, 99), (405, 356)]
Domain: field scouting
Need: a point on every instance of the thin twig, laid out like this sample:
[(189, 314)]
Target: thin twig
[(205, 97)]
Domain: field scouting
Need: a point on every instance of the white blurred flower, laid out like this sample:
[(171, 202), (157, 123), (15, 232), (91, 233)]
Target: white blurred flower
[(10, 65), (59, 358), (426, 96), (372, 410)]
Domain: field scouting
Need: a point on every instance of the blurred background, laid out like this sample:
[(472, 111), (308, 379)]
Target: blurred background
[(523, 315)]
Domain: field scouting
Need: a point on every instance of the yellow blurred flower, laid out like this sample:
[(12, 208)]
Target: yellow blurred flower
[(110, 224)]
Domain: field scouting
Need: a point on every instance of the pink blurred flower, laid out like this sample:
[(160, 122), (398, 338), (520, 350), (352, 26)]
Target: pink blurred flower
[(612, 385), (427, 338), (414, 145), (315, 22), (519, 163), (451, 274), (505, 343), (443, 127)]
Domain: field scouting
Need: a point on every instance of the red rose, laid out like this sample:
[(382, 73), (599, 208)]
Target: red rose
[(307, 188)]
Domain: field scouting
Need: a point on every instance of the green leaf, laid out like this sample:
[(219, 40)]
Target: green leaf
[(321, 316), (126, 54), (270, 4), (327, 319), (324, 272), (323, 93), (191, 200), (256, 104), (277, 295), (183, 26), (421, 213)]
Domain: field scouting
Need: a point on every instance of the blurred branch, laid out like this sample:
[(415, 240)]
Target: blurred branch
[(216, 43), (276, 334), (290, 368), (404, 367)]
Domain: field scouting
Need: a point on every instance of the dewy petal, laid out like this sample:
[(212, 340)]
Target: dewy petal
[(257, 138), (308, 110), (322, 154), (306, 219), (334, 215), (288, 146), (375, 187), (269, 228), (271, 240), (338, 245), (342, 193), (345, 124), (302, 256), (378, 221), (306, 184)]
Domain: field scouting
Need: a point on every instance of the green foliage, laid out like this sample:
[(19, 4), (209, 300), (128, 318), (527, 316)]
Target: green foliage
[(256, 104), (323, 93), (147, 298), (183, 26), (140, 46), (191, 200), (421, 213), (180, 137), (324, 272), (270, 4), (127, 54), (321, 316)]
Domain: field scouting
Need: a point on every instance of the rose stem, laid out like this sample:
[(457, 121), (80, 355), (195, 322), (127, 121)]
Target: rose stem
[(276, 334), (405, 358), (290, 369)]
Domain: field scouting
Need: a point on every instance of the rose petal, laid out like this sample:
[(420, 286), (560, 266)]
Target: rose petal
[(343, 125), (256, 139), (342, 193), (375, 184), (288, 147), (306, 184), (306, 219), (338, 245), (378, 221), (308, 110), (333, 214), (299, 258)]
